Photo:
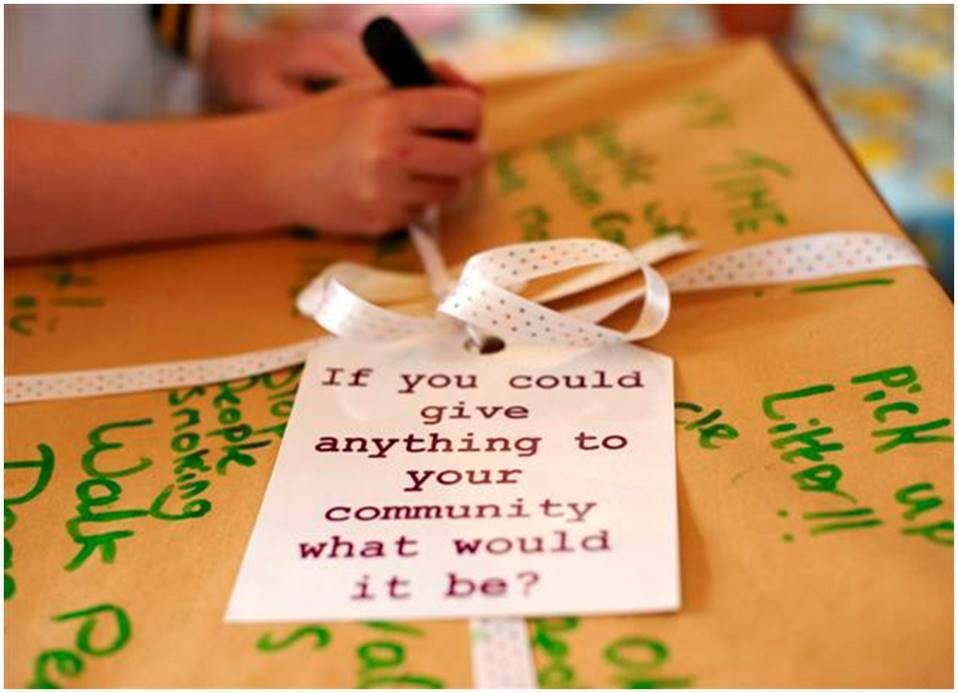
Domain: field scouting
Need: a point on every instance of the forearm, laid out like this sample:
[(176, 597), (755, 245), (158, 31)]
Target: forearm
[(73, 186)]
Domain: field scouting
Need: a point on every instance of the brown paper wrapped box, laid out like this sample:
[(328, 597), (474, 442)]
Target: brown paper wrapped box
[(813, 420)]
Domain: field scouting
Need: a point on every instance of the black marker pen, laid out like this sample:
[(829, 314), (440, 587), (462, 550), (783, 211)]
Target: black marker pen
[(388, 46), (393, 52)]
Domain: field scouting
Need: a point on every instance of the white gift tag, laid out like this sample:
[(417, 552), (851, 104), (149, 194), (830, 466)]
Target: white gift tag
[(418, 479)]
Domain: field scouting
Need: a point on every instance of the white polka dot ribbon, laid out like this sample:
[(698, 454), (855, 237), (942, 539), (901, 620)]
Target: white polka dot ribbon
[(484, 297), (501, 654), (801, 258)]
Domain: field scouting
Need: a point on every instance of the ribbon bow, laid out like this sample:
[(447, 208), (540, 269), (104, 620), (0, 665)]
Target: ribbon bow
[(485, 297)]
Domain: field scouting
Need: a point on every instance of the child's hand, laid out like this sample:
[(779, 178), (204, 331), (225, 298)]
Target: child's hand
[(364, 159), (275, 67), (359, 160)]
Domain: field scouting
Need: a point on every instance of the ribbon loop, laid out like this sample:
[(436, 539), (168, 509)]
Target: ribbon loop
[(482, 299), (343, 313), (513, 318)]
